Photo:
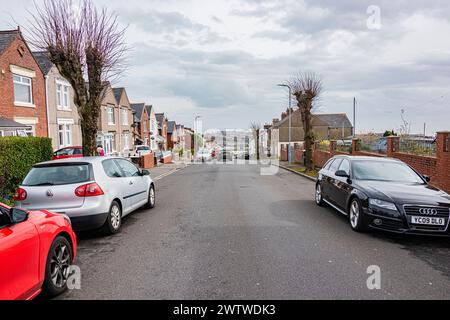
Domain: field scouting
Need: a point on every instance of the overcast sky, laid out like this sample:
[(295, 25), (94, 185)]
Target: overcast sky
[(223, 59)]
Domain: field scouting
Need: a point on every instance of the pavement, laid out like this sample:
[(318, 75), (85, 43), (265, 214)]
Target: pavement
[(227, 232)]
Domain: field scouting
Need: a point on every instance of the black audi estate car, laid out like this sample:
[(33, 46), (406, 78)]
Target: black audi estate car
[(383, 193)]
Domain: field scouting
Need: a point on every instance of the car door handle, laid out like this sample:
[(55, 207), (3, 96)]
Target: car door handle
[(131, 182)]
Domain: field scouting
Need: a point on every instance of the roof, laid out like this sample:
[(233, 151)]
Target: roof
[(118, 93), (160, 118), (78, 160), (138, 108), (6, 38), (335, 120), (367, 158), (43, 60), (7, 123), (149, 109), (171, 126)]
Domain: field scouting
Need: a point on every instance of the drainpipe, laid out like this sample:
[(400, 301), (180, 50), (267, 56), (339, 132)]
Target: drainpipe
[(46, 105)]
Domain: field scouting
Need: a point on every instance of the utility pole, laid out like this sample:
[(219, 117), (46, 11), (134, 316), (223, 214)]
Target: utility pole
[(354, 117)]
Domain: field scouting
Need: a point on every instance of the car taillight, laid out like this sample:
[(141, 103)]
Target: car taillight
[(89, 190), (20, 195)]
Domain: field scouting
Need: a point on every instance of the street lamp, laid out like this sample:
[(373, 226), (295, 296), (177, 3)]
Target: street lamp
[(290, 119)]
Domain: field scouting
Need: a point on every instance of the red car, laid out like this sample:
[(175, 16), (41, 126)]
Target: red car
[(37, 249), (68, 152)]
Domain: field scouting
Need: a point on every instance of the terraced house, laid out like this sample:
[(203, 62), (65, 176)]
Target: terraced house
[(115, 122), (63, 120), (22, 88)]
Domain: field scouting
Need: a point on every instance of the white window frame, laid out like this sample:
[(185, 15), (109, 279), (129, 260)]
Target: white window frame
[(60, 93), (108, 109), (126, 141), (29, 85), (67, 129), (124, 116)]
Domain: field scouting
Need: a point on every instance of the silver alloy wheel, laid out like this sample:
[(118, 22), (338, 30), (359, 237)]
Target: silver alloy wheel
[(354, 213), (318, 193), (152, 196), (115, 217), (59, 265)]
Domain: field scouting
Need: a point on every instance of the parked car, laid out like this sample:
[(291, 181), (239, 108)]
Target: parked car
[(383, 193), (203, 155), (142, 150), (37, 249), (95, 192), (68, 152)]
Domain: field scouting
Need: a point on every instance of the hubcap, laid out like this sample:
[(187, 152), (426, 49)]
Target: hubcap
[(59, 265), (115, 217), (318, 193), (354, 214), (152, 196)]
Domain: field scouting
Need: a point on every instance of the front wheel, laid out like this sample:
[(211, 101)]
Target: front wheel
[(151, 198), (114, 220), (319, 195), (57, 269), (356, 216)]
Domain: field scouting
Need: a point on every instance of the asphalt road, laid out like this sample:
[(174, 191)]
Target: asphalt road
[(226, 232)]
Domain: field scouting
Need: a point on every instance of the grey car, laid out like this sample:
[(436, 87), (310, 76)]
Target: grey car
[(95, 192)]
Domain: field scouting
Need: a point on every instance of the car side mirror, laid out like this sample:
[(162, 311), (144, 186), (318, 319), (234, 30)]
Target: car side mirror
[(342, 173), (18, 215), (145, 172), (427, 178)]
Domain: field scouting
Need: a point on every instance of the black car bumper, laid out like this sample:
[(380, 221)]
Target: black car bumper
[(90, 222)]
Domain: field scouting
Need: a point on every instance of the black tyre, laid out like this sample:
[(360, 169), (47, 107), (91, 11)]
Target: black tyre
[(151, 198), (318, 196), (57, 269), (114, 220), (356, 216)]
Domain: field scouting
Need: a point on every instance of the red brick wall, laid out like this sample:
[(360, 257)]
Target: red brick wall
[(147, 161), (7, 108)]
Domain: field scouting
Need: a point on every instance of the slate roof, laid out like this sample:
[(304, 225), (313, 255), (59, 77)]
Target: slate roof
[(138, 109), (44, 61), (117, 94), (7, 123), (335, 120), (6, 37), (171, 126), (160, 118), (149, 109)]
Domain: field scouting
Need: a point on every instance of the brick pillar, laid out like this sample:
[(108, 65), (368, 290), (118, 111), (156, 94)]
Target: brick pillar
[(355, 145), (333, 145), (442, 178), (393, 145)]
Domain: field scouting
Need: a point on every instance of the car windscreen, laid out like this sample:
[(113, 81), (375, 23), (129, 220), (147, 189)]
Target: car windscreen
[(57, 175), (142, 148), (384, 171)]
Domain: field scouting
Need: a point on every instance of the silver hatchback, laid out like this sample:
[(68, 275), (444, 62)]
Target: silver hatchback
[(95, 192)]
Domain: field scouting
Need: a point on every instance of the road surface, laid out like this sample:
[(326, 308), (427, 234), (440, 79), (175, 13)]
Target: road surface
[(226, 232)]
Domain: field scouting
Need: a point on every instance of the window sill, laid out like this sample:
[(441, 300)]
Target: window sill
[(63, 109), (111, 124), (24, 104)]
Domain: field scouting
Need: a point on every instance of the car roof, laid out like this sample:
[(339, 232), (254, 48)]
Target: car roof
[(367, 158), (78, 160)]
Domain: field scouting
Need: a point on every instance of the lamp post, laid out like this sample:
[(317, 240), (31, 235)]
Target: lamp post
[(290, 121)]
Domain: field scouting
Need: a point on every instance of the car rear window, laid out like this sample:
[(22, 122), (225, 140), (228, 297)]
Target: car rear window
[(57, 175)]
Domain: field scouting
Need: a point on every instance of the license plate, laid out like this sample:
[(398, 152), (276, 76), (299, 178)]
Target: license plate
[(432, 221)]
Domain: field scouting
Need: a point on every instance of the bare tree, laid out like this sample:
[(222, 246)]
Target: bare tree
[(256, 128), (87, 47), (306, 88)]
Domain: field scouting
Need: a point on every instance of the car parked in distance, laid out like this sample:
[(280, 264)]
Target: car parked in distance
[(95, 192), (68, 152), (383, 193), (142, 150), (203, 155), (37, 249)]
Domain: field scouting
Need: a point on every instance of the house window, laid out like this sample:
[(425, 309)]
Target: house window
[(126, 141), (65, 133), (62, 95), (111, 118), (124, 117), (22, 89)]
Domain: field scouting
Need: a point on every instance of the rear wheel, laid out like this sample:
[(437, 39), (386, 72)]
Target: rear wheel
[(151, 198), (114, 220), (57, 269), (318, 195), (356, 216)]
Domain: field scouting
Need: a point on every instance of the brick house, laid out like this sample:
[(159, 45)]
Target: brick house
[(115, 122), (141, 124), (62, 113), (153, 123), (22, 86), (172, 136), (162, 131)]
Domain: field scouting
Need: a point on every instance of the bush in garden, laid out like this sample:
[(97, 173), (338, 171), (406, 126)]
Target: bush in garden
[(17, 155)]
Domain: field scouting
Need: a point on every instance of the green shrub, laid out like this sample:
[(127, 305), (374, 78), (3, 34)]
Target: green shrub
[(17, 155)]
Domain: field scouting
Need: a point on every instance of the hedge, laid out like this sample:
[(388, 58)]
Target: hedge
[(17, 155)]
